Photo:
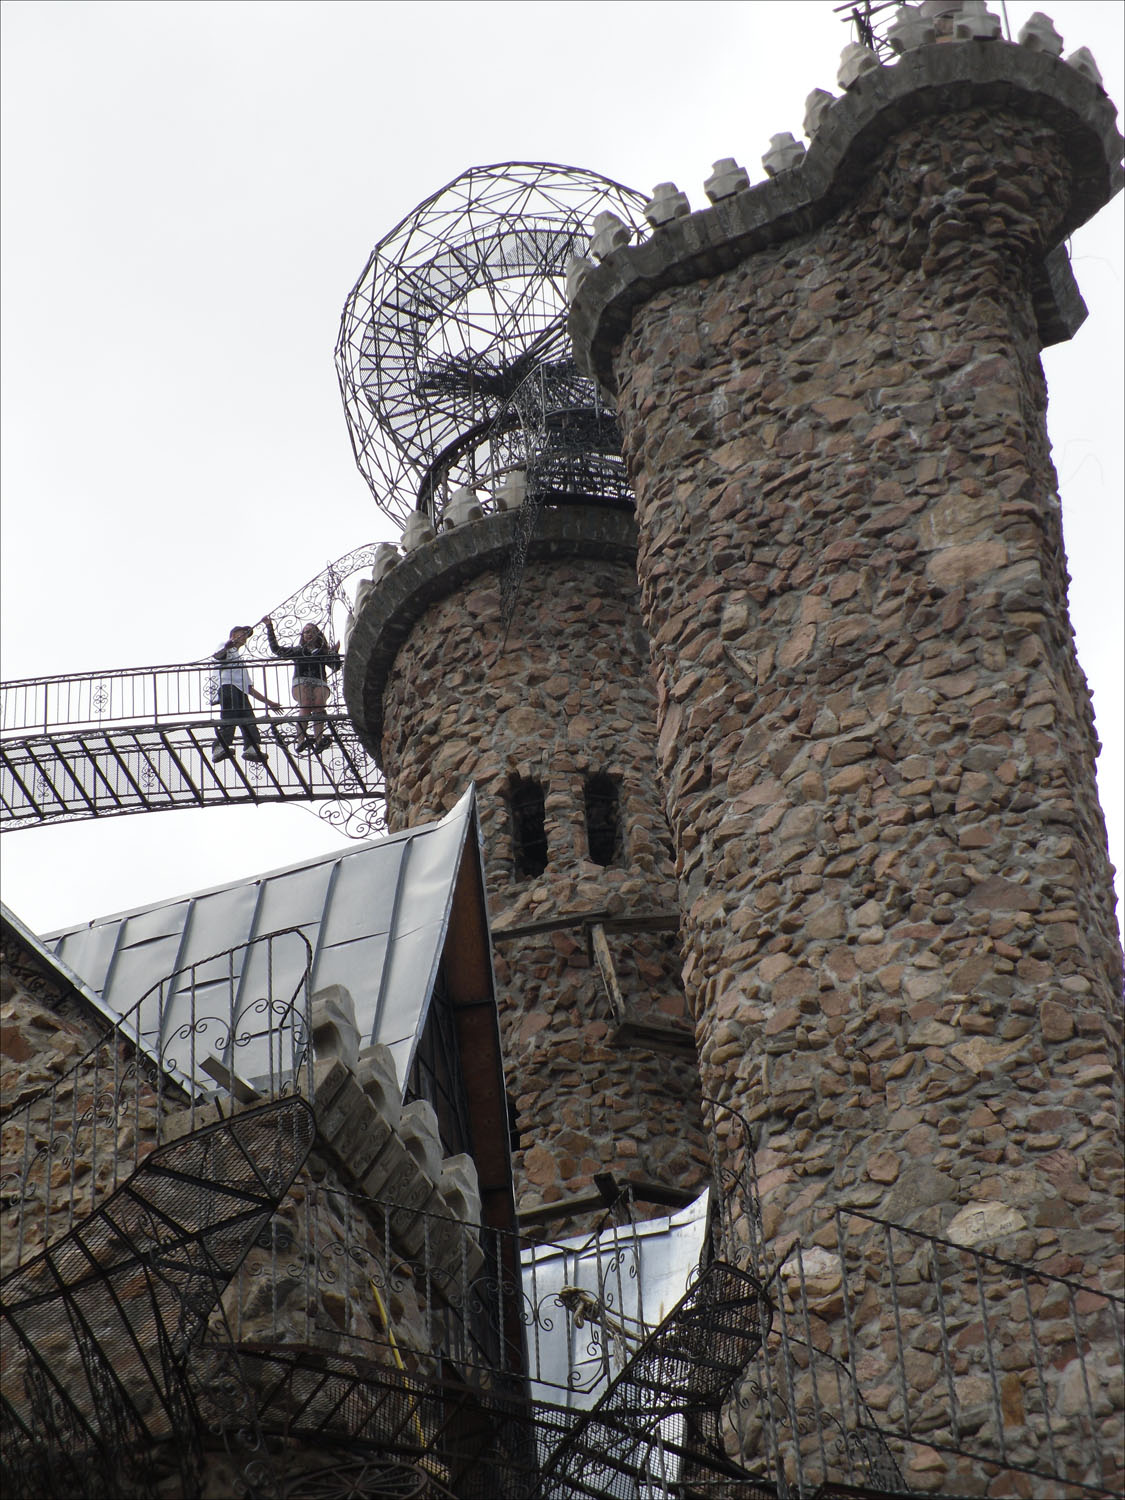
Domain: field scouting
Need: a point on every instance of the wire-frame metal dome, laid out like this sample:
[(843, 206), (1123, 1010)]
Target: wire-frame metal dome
[(453, 359)]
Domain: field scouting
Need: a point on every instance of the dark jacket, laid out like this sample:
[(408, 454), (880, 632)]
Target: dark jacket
[(309, 666)]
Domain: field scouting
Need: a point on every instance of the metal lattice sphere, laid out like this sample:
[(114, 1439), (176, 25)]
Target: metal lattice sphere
[(453, 358)]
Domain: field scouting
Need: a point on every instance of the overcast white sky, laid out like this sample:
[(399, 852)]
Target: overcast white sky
[(189, 192)]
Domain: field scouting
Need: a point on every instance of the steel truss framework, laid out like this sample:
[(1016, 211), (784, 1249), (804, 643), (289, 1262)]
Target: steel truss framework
[(124, 1376), (452, 357), (137, 1190), (101, 1323), (139, 739)]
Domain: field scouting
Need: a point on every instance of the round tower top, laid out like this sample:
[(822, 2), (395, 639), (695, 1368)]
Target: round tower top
[(922, 76), (452, 357)]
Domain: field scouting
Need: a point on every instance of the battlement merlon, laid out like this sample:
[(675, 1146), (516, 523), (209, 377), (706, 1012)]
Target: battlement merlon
[(932, 81)]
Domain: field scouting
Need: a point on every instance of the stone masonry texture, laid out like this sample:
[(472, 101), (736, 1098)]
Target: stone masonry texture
[(876, 743), (566, 696), (306, 1282)]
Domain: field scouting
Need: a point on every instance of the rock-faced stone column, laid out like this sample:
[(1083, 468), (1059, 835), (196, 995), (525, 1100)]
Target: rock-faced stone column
[(555, 722), (876, 742)]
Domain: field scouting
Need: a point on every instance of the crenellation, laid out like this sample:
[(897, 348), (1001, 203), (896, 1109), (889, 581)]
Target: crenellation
[(666, 204), (727, 178), (784, 154), (891, 859), (846, 136), (783, 769)]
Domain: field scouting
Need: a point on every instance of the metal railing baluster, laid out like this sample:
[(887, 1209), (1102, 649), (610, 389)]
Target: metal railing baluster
[(169, 703)]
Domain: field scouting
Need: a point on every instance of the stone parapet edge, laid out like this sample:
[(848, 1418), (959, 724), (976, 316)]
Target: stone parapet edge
[(434, 571), (932, 80)]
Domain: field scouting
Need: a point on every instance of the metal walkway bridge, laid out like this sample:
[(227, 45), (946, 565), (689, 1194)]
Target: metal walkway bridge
[(139, 739), (102, 744)]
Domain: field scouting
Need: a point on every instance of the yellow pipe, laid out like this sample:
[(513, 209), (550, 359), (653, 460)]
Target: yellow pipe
[(381, 1305)]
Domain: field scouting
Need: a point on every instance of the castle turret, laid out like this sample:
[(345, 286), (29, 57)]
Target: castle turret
[(876, 742), (505, 648)]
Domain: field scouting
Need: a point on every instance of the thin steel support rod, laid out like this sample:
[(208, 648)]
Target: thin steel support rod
[(987, 1329), (1038, 1357)]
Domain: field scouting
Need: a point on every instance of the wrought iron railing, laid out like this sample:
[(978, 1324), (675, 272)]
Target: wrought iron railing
[(139, 739), (101, 744), (738, 1234), (172, 693), (509, 1368), (204, 1042), (983, 1357), (888, 1346), (350, 1276), (891, 1348), (97, 1332), (606, 1378), (157, 697)]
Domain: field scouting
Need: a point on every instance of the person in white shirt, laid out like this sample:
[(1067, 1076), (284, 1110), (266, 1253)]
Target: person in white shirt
[(235, 692)]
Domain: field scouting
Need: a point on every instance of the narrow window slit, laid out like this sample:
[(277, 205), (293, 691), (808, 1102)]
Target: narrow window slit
[(529, 828), (603, 820)]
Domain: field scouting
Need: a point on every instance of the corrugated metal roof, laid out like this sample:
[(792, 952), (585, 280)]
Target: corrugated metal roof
[(375, 913)]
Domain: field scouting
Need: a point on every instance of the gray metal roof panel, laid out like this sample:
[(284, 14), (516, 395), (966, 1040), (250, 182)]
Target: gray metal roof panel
[(637, 1273), (42, 951), (358, 908), (289, 897), (376, 914)]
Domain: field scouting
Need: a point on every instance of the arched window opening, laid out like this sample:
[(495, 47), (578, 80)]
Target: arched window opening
[(603, 820), (529, 828)]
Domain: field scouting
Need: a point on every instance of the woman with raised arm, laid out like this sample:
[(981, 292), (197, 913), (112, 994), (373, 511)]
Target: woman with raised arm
[(312, 660)]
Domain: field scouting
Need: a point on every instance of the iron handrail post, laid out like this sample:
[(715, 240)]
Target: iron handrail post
[(1038, 1356), (900, 1343), (818, 1415)]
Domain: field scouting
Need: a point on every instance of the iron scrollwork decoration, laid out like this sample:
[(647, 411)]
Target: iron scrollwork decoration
[(155, 725), (368, 1476), (454, 333), (356, 820), (355, 811), (322, 601)]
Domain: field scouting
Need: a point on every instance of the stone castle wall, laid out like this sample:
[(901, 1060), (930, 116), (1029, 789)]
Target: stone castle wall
[(875, 739), (566, 696), (351, 1266), (76, 1105)]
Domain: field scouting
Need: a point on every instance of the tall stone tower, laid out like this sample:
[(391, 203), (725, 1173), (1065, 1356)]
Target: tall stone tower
[(506, 648), (876, 743)]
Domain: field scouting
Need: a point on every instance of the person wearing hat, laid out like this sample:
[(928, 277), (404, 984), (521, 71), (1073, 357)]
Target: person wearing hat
[(235, 692)]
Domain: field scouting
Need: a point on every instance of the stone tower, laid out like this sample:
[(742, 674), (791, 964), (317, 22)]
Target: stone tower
[(876, 743), (507, 649)]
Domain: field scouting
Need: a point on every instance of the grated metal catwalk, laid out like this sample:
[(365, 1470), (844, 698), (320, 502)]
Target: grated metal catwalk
[(97, 1327)]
